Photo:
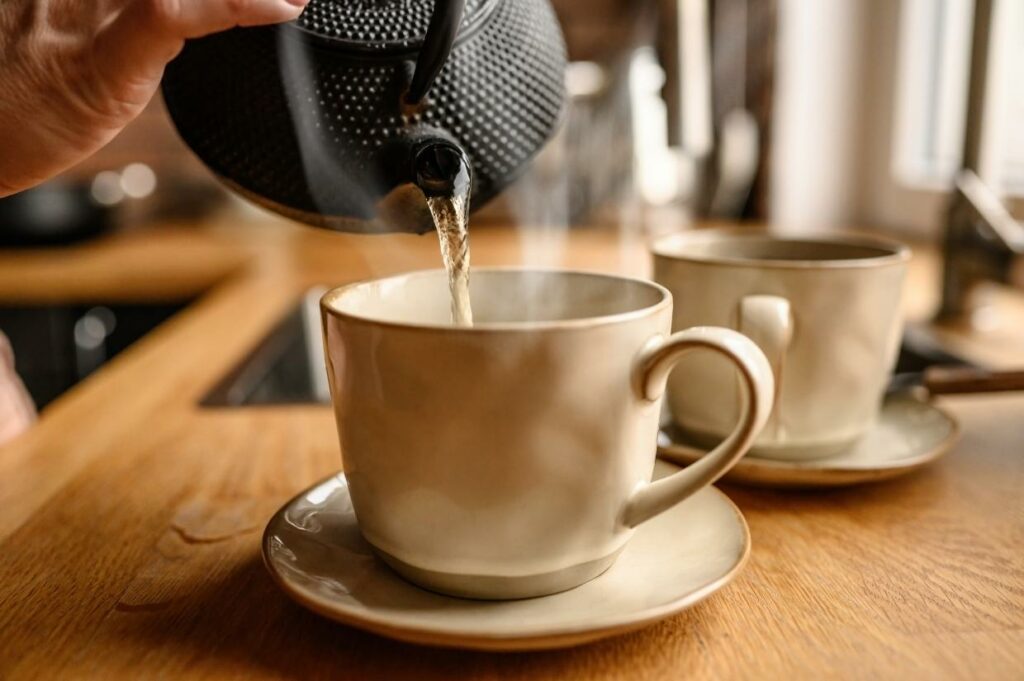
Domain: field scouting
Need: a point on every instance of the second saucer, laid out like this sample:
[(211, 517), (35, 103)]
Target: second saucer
[(908, 434)]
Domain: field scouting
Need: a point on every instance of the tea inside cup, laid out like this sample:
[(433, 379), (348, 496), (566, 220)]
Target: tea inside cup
[(500, 298)]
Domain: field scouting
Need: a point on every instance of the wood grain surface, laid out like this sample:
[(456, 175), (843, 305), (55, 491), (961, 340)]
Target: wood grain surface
[(130, 518)]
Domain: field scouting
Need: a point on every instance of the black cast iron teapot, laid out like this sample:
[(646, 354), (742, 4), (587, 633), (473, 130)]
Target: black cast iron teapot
[(345, 117)]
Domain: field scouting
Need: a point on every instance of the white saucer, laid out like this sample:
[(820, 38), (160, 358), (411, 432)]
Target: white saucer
[(909, 434), (314, 551)]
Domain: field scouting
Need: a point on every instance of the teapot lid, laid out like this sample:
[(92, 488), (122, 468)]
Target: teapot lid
[(380, 26)]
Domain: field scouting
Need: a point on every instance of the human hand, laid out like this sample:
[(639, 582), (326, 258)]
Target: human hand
[(73, 73), (17, 412)]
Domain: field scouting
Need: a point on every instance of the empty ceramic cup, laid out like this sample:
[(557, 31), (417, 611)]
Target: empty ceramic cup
[(826, 312)]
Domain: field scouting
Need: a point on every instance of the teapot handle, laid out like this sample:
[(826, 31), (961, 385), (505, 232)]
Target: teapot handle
[(444, 25)]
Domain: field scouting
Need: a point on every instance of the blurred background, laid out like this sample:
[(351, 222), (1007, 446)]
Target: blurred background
[(808, 115)]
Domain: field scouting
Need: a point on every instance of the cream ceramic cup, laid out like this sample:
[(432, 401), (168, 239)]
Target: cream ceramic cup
[(513, 458), (826, 312)]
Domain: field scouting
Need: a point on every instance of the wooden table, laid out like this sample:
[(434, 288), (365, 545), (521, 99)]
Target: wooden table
[(130, 518)]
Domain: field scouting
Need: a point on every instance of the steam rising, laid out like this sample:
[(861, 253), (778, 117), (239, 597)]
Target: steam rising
[(298, 76), (583, 177), (584, 174)]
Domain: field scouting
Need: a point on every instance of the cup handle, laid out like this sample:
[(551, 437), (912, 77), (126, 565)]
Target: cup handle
[(768, 321), (651, 370)]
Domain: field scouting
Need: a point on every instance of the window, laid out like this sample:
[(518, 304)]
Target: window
[(933, 68)]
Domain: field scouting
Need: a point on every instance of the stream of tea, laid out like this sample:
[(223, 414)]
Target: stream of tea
[(451, 219)]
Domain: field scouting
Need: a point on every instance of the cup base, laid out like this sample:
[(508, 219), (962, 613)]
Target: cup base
[(495, 588), (789, 451)]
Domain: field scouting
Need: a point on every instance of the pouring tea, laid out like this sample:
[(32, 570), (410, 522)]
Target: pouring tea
[(391, 116)]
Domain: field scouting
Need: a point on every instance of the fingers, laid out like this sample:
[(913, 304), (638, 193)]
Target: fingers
[(17, 412), (132, 50), (192, 18), (6, 353)]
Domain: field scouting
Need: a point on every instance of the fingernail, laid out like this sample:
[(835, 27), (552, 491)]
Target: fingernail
[(297, 3)]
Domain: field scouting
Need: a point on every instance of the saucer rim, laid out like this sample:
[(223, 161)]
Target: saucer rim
[(551, 638), (816, 473)]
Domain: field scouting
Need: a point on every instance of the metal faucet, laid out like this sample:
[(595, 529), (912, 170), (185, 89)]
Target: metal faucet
[(981, 238)]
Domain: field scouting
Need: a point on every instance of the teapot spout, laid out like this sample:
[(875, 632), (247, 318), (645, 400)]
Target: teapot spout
[(441, 168), (425, 167)]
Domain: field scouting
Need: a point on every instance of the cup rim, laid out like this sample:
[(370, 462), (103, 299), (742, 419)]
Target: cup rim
[(580, 323), (893, 252)]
